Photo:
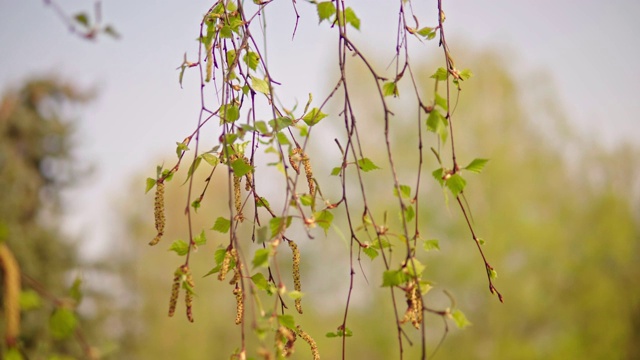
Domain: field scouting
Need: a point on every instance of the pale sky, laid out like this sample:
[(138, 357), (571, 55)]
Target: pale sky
[(590, 48)]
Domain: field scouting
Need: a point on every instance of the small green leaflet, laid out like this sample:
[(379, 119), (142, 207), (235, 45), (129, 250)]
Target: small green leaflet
[(390, 88), (62, 323), (440, 74), (476, 165), (437, 123), (150, 184), (180, 247), (324, 219), (195, 204), (465, 74), (259, 85), (193, 168), (460, 319), (306, 200), (229, 113), (367, 165), (431, 245), (293, 295), (222, 225), (442, 102), (251, 59), (82, 18), (261, 126), (393, 278), (313, 117), (280, 123), (427, 32), (409, 213), (370, 252), (493, 274), (260, 281), (456, 184), (405, 190), (181, 147), (278, 225), (200, 239), (351, 18), (325, 10), (287, 320), (336, 171), (339, 333), (261, 258), (419, 268), (74, 292), (210, 158), (438, 174), (240, 167), (29, 300)]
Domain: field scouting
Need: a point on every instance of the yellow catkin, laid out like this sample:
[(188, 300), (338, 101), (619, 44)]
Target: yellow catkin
[(248, 178), (237, 269), (292, 160), (417, 309), (11, 296), (188, 294), (309, 172), (237, 291), (284, 333), (297, 284), (175, 291), (209, 62), (226, 262), (309, 340), (158, 212), (237, 197)]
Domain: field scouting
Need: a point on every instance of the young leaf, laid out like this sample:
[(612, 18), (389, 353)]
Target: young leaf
[(193, 168), (427, 32), (229, 113), (180, 247), (313, 117), (476, 165), (419, 268), (409, 213), (261, 258), (336, 171), (181, 148), (440, 74), (351, 18), (370, 252), (456, 184), (62, 323), (278, 225), (326, 9), (465, 74), (442, 102), (287, 320), (29, 300), (460, 319), (240, 167), (306, 200), (393, 278), (405, 190), (366, 165), (150, 184), (211, 159), (252, 60), (390, 88), (82, 18), (260, 281), (431, 245), (222, 225), (75, 292), (259, 85), (200, 239), (324, 219)]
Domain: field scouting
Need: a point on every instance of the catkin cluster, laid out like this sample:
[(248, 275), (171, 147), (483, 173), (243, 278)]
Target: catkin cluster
[(414, 306), (292, 159), (285, 349), (309, 340), (296, 155), (183, 273), (158, 212), (297, 284), (226, 262)]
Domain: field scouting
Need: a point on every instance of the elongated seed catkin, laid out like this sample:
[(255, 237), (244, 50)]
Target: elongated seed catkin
[(237, 291), (158, 212), (297, 283), (175, 291), (226, 262), (188, 292), (309, 340), (292, 160)]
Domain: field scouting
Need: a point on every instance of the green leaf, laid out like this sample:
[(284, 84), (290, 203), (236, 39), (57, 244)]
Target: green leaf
[(182, 146), (280, 123), (150, 184), (229, 113), (278, 225), (82, 18), (222, 225), (405, 190), (456, 184), (442, 102), (409, 213), (29, 300), (193, 168), (259, 85), (180, 247), (370, 252), (75, 292), (324, 219), (294, 295), (427, 32), (437, 123), (252, 60), (351, 18), (240, 167), (339, 333), (326, 9), (390, 88), (465, 74), (366, 165), (262, 234), (460, 319), (440, 74), (261, 126), (261, 258), (262, 202), (62, 323), (393, 278), (493, 274), (210, 158), (432, 244), (419, 268), (438, 174), (313, 117), (200, 239), (226, 33), (111, 31), (336, 171), (476, 165), (287, 320), (306, 200), (260, 281)]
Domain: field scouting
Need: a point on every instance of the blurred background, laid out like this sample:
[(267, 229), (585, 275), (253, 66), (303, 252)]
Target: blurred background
[(552, 103)]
